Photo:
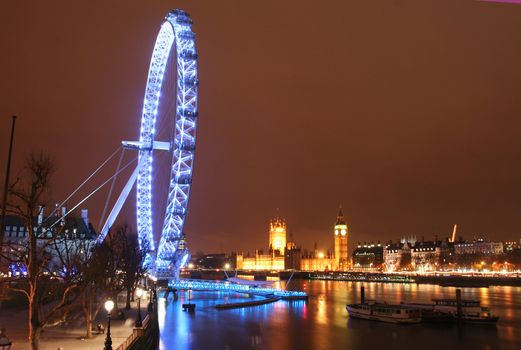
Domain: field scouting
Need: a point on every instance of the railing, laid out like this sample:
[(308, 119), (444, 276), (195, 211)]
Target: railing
[(136, 333)]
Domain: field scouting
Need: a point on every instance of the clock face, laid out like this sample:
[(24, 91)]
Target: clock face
[(336, 232), (343, 232)]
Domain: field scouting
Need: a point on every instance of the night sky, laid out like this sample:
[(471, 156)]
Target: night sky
[(406, 112)]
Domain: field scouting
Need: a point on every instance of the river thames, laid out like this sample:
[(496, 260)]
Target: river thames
[(323, 323)]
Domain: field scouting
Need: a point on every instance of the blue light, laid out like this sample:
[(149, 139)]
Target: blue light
[(233, 287), (169, 257)]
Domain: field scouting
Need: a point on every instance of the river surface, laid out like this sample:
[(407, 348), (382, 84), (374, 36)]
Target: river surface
[(322, 322)]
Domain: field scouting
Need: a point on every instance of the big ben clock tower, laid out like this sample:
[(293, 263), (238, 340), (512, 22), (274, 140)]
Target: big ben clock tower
[(341, 234)]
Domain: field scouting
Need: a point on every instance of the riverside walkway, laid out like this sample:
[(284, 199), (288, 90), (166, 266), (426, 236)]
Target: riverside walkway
[(69, 337)]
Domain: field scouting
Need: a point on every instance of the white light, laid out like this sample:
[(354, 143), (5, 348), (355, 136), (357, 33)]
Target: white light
[(109, 305), (139, 292)]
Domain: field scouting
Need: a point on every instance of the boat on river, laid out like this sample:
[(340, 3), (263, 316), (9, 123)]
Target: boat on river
[(383, 312), (469, 311), (452, 310)]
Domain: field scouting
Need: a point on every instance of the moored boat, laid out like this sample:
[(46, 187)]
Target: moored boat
[(429, 314), (383, 312), (455, 310), (467, 311)]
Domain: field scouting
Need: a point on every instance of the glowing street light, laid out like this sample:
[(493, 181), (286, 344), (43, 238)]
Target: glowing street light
[(109, 305), (139, 294)]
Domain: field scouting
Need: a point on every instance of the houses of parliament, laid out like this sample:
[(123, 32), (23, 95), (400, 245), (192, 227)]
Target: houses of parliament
[(283, 254)]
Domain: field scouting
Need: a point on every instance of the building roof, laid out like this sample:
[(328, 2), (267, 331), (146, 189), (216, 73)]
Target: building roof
[(71, 223)]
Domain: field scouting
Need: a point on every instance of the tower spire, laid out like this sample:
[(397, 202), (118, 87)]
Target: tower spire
[(340, 217)]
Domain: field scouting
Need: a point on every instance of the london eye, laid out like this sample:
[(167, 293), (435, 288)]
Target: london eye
[(175, 52)]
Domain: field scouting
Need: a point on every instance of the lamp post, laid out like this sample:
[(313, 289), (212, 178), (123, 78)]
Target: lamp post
[(109, 305), (139, 293), (150, 307)]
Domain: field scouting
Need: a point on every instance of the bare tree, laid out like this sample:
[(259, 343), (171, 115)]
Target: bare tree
[(94, 283), (39, 283), (114, 282), (132, 257), (115, 265)]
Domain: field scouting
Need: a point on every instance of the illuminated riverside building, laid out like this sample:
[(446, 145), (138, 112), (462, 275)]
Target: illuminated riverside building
[(339, 261), (341, 242), (72, 236), (275, 259), (278, 235), (318, 261), (511, 246), (423, 256), (261, 261), (397, 256), (283, 254), (368, 256), (479, 246)]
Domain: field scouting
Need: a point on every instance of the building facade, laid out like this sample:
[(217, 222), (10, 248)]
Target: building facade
[(275, 258), (397, 256), (318, 261), (339, 259), (368, 256), (283, 254), (277, 236), (478, 246), (69, 236)]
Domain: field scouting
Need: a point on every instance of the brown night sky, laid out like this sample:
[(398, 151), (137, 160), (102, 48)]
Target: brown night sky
[(407, 112)]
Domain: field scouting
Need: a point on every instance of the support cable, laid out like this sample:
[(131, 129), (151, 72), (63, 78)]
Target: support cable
[(93, 192), (111, 190), (83, 183)]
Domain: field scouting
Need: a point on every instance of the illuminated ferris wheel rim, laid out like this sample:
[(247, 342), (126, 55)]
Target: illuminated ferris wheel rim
[(175, 32)]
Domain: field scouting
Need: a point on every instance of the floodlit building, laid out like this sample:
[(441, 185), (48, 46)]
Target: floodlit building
[(397, 256), (511, 246), (368, 256), (278, 235), (325, 261), (318, 261), (274, 259), (479, 246), (283, 254), (71, 235), (425, 256), (341, 242), (412, 255)]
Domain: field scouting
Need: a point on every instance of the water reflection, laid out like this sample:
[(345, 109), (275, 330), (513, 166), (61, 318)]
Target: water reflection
[(323, 323)]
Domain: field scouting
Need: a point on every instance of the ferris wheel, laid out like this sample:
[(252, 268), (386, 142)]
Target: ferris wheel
[(175, 37)]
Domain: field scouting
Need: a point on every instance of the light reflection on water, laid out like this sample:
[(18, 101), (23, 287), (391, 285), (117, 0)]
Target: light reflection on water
[(322, 322)]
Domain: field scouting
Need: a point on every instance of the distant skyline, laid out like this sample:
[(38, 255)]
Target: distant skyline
[(405, 112)]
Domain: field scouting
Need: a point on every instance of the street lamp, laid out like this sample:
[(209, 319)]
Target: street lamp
[(139, 294), (150, 307), (109, 305)]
